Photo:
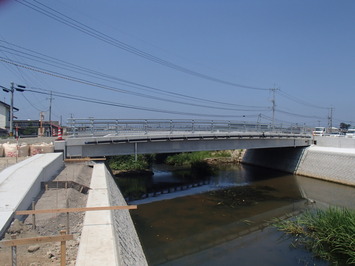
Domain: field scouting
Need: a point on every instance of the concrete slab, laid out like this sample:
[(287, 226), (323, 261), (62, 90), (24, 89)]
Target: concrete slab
[(97, 243), (20, 184)]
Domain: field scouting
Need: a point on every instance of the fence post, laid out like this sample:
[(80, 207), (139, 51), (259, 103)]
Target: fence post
[(33, 216), (62, 250), (13, 252), (68, 218), (171, 126), (193, 126)]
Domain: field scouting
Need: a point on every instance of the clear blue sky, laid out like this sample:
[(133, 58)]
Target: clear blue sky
[(198, 59)]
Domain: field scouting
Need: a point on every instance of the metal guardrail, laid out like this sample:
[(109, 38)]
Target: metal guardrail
[(106, 127)]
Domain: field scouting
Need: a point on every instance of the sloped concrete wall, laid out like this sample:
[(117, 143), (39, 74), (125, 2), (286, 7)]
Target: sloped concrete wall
[(20, 184), (326, 163), (332, 164), (129, 247), (108, 237)]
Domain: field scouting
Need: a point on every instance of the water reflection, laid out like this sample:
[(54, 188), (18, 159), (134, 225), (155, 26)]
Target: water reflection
[(193, 229)]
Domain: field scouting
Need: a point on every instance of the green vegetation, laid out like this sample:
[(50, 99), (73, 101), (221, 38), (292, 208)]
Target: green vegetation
[(128, 162), (195, 160), (189, 158), (329, 234)]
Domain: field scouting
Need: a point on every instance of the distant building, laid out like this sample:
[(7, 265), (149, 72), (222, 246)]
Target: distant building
[(5, 117), (37, 128)]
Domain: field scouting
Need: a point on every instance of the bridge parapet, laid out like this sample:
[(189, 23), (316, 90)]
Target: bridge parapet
[(106, 127)]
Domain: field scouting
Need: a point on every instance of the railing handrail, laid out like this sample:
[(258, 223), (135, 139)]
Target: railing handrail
[(100, 127)]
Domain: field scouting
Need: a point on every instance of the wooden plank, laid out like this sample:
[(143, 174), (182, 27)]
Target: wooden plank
[(63, 210), (84, 159), (35, 240)]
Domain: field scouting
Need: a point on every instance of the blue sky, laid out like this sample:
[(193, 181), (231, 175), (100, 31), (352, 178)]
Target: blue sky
[(196, 59)]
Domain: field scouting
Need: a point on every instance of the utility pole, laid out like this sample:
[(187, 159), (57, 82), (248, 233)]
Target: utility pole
[(12, 109), (12, 90), (50, 113), (273, 107), (330, 119)]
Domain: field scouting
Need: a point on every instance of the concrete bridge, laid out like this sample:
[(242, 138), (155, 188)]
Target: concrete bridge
[(107, 137)]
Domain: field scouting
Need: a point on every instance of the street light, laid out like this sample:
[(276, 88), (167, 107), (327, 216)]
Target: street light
[(11, 90)]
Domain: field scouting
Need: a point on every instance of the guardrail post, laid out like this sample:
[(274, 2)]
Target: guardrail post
[(145, 127), (171, 126), (116, 127), (212, 126), (73, 126), (193, 126), (229, 126), (92, 126)]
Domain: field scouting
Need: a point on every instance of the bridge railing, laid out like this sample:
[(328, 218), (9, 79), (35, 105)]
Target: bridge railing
[(78, 127)]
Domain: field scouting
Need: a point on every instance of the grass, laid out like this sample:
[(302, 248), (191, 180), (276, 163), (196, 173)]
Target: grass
[(189, 158), (128, 162), (328, 234)]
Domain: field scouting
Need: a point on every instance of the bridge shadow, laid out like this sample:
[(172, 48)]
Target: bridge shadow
[(282, 159)]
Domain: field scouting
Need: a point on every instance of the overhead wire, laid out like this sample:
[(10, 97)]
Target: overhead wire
[(110, 88), (115, 104), (75, 24), (79, 69), (299, 101)]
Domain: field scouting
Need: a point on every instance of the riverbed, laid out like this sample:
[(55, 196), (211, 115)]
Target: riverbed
[(226, 220)]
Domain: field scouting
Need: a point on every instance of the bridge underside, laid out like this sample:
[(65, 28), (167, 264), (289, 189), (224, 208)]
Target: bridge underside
[(99, 147)]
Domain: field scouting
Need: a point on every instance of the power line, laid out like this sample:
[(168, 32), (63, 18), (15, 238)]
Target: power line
[(299, 101), (110, 88), (66, 20), (39, 57), (114, 104)]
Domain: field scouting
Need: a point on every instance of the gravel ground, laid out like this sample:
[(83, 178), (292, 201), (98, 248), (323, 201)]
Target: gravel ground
[(51, 224)]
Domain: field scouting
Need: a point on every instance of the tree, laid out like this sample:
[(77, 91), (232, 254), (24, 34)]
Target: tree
[(344, 127)]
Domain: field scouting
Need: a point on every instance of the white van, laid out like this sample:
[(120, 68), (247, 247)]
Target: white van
[(319, 131), (350, 133)]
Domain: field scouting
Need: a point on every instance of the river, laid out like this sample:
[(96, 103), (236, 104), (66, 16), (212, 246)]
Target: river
[(225, 219)]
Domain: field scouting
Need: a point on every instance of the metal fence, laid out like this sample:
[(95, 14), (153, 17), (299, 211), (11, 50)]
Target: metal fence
[(105, 127)]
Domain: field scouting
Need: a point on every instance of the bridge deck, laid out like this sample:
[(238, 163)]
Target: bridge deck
[(178, 141)]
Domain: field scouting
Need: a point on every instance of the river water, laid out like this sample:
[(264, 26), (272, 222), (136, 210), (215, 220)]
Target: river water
[(225, 219)]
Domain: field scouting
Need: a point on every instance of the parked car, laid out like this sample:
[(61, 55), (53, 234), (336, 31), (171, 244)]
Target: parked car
[(319, 131), (350, 133)]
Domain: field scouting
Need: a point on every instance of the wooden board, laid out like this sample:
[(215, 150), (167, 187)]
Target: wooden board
[(64, 210), (35, 240), (83, 159)]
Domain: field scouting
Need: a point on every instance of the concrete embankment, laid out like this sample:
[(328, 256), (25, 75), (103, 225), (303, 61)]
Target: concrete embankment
[(327, 163), (20, 184), (334, 163), (108, 237)]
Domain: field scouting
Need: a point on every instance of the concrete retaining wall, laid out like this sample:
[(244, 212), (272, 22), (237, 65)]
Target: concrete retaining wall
[(108, 237), (332, 164), (335, 142), (327, 163), (20, 184)]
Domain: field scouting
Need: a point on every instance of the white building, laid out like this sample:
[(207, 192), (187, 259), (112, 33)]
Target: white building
[(5, 116)]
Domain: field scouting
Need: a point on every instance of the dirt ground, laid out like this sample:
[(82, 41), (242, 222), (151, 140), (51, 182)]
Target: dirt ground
[(52, 224)]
